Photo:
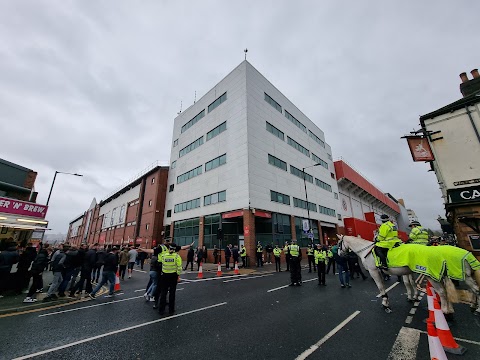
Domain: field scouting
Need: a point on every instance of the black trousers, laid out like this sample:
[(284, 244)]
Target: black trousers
[(244, 261), (277, 263), (191, 264), (227, 262), (85, 277), (321, 272), (123, 269), (169, 284), (37, 283), (311, 260), (331, 261), (259, 259), (382, 255), (295, 271), (235, 261), (287, 260)]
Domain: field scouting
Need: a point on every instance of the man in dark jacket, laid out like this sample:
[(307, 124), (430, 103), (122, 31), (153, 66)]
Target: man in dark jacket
[(235, 255), (26, 258), (100, 260), (228, 255), (38, 266), (7, 259), (108, 274), (190, 256), (89, 260), (69, 265)]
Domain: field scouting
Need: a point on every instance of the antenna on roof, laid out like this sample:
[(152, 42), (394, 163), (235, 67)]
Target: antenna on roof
[(245, 51), (180, 108), (195, 100)]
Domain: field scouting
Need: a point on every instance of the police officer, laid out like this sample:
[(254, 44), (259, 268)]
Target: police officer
[(418, 235), (287, 255), (276, 253), (171, 270), (311, 258), (243, 255), (320, 255), (259, 254), (387, 239), (295, 257), (331, 260)]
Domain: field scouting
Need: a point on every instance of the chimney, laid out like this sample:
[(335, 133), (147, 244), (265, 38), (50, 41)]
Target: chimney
[(470, 87)]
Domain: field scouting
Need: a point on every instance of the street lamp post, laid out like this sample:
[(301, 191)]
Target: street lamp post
[(306, 198), (53, 182)]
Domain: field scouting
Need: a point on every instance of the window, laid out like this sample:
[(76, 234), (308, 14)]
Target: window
[(326, 211), (153, 180), (295, 121), (302, 238), (210, 228), (173, 165), (335, 195), (316, 138), (219, 129), (171, 187), (217, 102), (186, 231), (324, 185), (169, 213), (191, 147), (275, 131), (147, 226), (189, 174), (272, 160), (215, 198), (212, 164), (175, 142), (282, 229), (279, 197), (299, 203), (297, 146), (187, 205), (122, 214), (319, 161), (329, 156), (192, 122), (332, 175), (272, 102), (339, 216), (150, 203), (300, 173)]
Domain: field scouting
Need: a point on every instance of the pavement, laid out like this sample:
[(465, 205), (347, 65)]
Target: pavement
[(253, 315)]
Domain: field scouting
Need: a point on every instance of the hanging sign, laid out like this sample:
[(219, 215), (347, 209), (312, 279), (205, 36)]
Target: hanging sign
[(420, 148)]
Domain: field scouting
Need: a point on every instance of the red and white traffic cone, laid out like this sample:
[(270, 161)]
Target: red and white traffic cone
[(430, 296), (444, 334), (200, 271), (236, 272), (434, 344), (117, 282), (219, 270)]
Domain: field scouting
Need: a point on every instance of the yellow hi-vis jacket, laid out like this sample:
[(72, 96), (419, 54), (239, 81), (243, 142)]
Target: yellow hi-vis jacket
[(243, 252), (419, 235), (310, 251), (320, 256), (172, 263), (294, 250), (277, 252), (387, 235)]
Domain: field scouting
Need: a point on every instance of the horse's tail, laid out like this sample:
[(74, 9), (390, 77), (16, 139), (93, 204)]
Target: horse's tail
[(452, 294)]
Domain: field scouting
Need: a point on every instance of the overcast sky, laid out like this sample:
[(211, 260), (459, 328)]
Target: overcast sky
[(93, 86)]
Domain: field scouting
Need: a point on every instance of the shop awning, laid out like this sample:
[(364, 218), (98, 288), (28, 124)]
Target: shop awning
[(327, 224), (21, 226)]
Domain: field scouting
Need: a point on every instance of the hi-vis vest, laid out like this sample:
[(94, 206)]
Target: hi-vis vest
[(387, 235), (419, 236), (294, 250), (320, 256), (277, 252), (172, 263), (259, 249), (243, 252), (310, 251)]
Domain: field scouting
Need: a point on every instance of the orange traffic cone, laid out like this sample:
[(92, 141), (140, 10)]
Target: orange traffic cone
[(117, 282), (200, 271), (430, 296), (219, 270), (444, 334), (236, 272), (434, 345)]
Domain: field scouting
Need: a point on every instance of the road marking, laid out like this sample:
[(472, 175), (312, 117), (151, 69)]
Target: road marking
[(245, 278), (458, 339), (413, 311), (388, 289), (416, 303), (315, 346), (140, 290), (115, 332), (406, 345), (409, 319), (90, 306), (285, 286), (217, 278), (142, 271)]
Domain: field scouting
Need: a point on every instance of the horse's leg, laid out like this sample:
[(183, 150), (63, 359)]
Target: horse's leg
[(473, 286), (378, 278), (440, 290), (413, 284), (408, 286)]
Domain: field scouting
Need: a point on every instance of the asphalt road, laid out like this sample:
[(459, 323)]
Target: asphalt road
[(247, 317)]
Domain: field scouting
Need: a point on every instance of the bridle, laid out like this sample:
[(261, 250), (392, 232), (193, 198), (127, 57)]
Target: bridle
[(340, 246)]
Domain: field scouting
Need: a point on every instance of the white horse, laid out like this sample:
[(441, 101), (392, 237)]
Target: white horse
[(363, 248)]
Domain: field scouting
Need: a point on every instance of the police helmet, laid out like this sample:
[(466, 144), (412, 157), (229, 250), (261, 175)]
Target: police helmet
[(384, 218), (414, 223)]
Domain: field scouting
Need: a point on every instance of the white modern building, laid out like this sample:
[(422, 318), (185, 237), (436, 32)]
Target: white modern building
[(236, 164)]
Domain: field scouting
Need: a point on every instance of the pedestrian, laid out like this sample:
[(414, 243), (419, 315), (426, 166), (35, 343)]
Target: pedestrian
[(142, 256), (205, 255), (123, 262), (228, 255), (235, 255), (56, 264), (276, 253), (311, 258), (215, 254), (38, 267), (85, 273), (342, 266), (171, 270), (108, 274), (287, 255), (295, 259), (8, 258), (320, 255), (331, 260), (199, 256), (190, 256), (269, 251), (259, 254), (77, 266), (243, 255), (99, 262), (69, 267), (154, 274), (132, 257), (26, 257)]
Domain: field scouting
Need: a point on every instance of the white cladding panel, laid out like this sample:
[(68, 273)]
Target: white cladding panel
[(345, 207), (115, 210), (74, 226)]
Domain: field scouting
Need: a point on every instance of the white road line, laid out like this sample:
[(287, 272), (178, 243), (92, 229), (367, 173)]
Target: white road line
[(416, 303), (139, 290), (458, 339), (413, 311), (142, 271), (247, 278), (409, 319), (315, 346), (390, 288), (90, 306), (406, 345), (115, 332), (218, 278), (285, 286)]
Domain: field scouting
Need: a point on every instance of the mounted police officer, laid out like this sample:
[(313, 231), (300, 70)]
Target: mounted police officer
[(387, 238), (418, 235)]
